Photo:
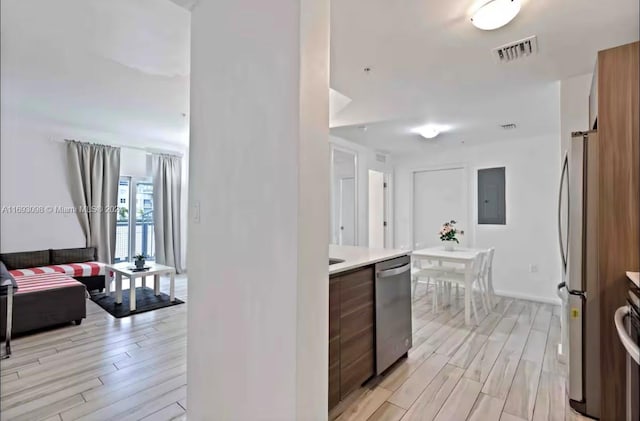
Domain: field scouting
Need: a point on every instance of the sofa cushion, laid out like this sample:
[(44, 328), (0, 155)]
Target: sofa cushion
[(44, 281), (6, 276), (71, 269), (25, 259), (76, 255)]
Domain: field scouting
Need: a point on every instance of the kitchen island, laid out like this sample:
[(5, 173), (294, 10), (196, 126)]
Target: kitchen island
[(369, 315)]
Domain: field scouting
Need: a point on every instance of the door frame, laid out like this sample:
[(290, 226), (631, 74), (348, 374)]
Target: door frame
[(384, 206), (469, 232), (133, 192), (356, 183), (340, 209), (388, 210)]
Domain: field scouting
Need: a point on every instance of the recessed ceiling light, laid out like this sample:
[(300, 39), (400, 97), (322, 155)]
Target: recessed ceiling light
[(495, 14), (428, 132)]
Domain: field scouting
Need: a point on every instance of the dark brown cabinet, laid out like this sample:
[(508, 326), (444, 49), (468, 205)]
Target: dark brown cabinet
[(616, 109), (334, 341), (351, 332)]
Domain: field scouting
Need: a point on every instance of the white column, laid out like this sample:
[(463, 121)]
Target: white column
[(259, 177)]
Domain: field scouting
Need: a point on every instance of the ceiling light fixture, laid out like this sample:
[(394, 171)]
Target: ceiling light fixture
[(495, 14), (428, 132)]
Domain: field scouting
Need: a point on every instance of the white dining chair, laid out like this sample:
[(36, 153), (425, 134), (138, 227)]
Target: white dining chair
[(445, 279), (421, 273), (425, 272), (487, 277)]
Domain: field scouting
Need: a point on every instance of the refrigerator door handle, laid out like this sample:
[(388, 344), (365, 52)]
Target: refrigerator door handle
[(565, 168)]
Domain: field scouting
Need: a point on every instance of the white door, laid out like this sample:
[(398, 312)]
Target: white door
[(439, 196), (347, 217), (376, 209)]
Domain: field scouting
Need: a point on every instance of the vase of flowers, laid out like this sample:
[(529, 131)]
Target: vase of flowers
[(448, 235), (140, 261)]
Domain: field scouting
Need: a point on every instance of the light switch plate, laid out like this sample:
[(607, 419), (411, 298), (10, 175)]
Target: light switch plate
[(196, 212)]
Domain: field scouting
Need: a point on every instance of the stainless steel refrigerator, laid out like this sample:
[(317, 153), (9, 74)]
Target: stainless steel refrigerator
[(578, 234)]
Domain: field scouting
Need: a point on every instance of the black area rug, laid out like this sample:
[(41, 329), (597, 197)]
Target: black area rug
[(145, 301)]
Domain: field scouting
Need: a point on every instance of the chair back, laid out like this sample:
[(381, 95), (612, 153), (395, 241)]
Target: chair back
[(478, 264), (490, 254)]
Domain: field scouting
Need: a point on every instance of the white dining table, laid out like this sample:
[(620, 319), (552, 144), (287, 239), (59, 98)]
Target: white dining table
[(463, 256)]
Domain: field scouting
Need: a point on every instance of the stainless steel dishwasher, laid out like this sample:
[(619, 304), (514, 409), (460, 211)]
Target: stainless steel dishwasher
[(393, 311)]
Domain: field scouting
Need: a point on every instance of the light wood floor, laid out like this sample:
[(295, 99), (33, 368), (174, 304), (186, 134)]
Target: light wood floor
[(503, 370), (105, 369), (135, 368)]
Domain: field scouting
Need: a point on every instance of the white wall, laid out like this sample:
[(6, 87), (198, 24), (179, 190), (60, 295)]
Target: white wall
[(34, 172), (259, 167), (135, 163), (366, 158), (107, 72), (530, 235), (574, 107)]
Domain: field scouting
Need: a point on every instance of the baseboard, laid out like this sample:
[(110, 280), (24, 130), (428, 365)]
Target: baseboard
[(546, 300)]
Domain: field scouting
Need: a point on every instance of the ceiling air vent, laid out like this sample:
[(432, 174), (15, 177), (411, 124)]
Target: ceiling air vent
[(516, 50), (381, 158), (508, 126)]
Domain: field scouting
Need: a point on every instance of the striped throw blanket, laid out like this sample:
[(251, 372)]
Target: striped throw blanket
[(43, 281), (71, 269)]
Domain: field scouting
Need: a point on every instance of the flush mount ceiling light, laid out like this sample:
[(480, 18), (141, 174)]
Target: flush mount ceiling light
[(428, 132), (495, 14)]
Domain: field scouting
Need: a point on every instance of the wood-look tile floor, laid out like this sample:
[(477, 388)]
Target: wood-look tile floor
[(105, 369), (135, 369), (505, 369)]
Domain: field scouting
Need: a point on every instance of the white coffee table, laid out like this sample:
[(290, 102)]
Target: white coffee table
[(125, 269)]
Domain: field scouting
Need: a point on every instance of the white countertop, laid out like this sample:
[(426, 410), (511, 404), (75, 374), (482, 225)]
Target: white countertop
[(355, 257), (635, 278)]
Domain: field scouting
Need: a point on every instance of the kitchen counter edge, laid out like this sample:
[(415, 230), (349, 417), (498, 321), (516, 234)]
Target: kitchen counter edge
[(357, 257)]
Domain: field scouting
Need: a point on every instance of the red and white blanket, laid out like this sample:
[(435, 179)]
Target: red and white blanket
[(44, 281), (71, 269)]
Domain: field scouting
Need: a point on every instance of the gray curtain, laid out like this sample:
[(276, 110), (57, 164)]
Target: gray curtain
[(167, 186), (94, 173)]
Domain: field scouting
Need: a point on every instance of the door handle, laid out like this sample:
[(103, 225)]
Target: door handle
[(627, 342), (393, 272), (565, 167)]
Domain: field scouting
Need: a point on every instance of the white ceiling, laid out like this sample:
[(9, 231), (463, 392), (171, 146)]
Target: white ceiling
[(430, 65), (187, 4), (117, 66)]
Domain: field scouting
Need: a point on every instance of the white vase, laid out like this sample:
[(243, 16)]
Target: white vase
[(449, 245)]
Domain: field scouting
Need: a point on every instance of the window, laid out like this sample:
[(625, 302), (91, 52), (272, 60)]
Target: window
[(491, 196), (135, 235)]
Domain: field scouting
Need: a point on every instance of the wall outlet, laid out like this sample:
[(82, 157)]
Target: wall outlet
[(533, 268)]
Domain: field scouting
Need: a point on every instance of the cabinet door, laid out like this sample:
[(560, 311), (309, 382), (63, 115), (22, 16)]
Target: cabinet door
[(334, 341), (357, 363)]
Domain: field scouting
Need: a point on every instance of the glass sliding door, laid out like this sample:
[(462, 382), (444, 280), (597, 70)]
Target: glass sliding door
[(134, 228), (123, 236), (144, 237)]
